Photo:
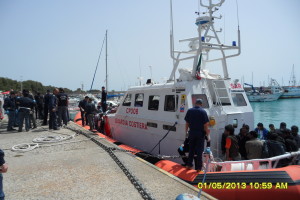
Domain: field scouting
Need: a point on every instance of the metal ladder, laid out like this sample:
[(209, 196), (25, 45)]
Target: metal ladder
[(216, 91)]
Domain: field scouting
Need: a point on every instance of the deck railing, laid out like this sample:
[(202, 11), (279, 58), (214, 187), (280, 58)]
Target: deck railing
[(255, 164)]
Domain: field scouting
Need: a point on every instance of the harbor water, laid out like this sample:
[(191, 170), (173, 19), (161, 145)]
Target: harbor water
[(275, 112)]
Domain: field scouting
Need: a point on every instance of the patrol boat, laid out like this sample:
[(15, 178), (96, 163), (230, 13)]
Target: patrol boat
[(150, 119), (149, 111)]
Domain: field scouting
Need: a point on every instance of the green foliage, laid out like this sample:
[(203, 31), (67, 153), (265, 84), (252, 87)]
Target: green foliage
[(34, 86)]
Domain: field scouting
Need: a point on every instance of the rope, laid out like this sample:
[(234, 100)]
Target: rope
[(24, 147), (52, 138)]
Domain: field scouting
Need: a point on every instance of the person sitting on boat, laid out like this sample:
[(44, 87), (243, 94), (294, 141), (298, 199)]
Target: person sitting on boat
[(295, 130), (290, 142), (242, 139), (197, 123), (282, 129), (253, 146), (274, 146), (232, 146), (272, 128), (261, 131)]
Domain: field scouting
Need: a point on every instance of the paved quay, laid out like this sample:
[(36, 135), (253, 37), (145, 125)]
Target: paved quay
[(78, 169)]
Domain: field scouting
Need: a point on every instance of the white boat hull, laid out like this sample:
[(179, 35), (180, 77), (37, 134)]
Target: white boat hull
[(291, 92), (263, 97)]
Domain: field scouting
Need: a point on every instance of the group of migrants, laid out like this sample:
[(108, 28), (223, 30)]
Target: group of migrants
[(24, 107), (256, 144), (259, 143), (88, 109)]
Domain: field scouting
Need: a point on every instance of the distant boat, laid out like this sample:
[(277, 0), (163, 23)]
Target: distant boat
[(291, 91), (268, 95)]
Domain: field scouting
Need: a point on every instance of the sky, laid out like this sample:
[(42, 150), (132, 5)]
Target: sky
[(57, 42)]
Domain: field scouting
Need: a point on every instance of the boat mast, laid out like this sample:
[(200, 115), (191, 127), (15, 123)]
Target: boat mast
[(293, 78), (106, 80), (206, 41)]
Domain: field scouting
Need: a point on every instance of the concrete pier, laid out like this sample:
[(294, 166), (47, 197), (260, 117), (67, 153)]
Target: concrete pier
[(79, 169)]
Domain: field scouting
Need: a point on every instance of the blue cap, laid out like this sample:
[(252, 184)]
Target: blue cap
[(199, 101)]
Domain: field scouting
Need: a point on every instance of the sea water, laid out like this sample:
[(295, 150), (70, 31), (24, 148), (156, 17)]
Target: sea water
[(275, 112)]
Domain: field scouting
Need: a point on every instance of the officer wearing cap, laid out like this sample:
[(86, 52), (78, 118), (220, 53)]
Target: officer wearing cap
[(196, 129), (10, 107)]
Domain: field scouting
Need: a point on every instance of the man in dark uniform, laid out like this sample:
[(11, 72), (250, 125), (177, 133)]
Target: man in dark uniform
[(10, 107), (46, 106), (82, 108), (103, 99), (197, 123), (33, 110), (62, 107), (25, 104), (90, 110), (53, 110), (40, 105)]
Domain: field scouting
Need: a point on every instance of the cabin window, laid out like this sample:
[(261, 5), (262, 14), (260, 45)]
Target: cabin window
[(138, 102), (127, 100), (151, 124), (170, 103), (200, 96), (168, 127), (238, 99), (153, 102)]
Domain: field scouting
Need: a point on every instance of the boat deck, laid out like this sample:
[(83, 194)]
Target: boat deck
[(80, 169)]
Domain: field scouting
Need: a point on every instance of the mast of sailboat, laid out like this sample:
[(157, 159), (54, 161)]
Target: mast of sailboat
[(106, 80), (97, 62), (292, 81)]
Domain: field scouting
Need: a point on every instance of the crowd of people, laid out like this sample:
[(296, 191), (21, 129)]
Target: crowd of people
[(259, 143), (88, 110), (24, 108)]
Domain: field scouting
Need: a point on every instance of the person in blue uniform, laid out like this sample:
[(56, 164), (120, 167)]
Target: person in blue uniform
[(103, 99), (47, 97), (53, 104), (197, 124), (10, 107), (25, 104), (3, 169), (62, 107), (81, 106)]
